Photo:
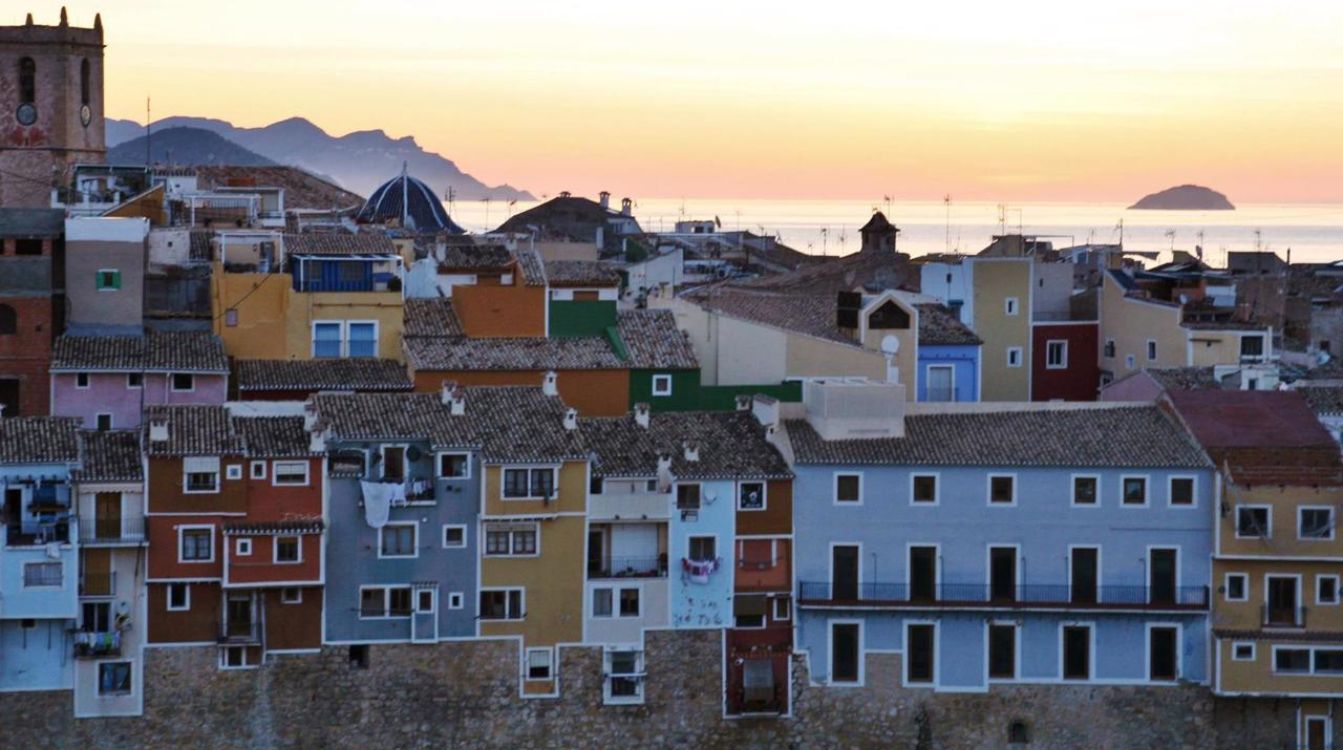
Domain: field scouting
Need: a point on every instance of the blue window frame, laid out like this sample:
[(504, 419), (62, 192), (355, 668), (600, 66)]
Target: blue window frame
[(363, 340), (326, 339)]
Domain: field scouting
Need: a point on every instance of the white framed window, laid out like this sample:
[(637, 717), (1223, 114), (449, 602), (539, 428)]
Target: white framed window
[(751, 496), (81, 380), (344, 338), (242, 547), (1133, 491), (234, 657), (135, 380), (530, 483), (624, 677), (195, 544), (1014, 356), (291, 595), (512, 540), (1011, 306), (103, 422), (179, 597), (603, 602), (183, 382), (399, 540), (1056, 354), (702, 548), (1002, 489), (454, 465), (1326, 589), (1182, 492), (846, 652), (662, 385), (503, 604), (384, 602), (923, 489), (426, 601), (539, 663), (114, 678), (1318, 660), (1242, 651), (1086, 490), (454, 536), (848, 488), (1163, 652), (1151, 350), (42, 575), (616, 601), (1236, 587), (258, 469), (940, 383), (783, 609), (920, 652), (1315, 522), (233, 471), (288, 550), (289, 473), (1109, 349), (1254, 522), (200, 474), (456, 600), (1077, 648)]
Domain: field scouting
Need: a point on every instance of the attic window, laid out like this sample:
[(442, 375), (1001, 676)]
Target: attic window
[(887, 317)]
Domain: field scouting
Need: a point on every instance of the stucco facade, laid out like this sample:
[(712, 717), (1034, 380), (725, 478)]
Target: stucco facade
[(1002, 318), (113, 394)]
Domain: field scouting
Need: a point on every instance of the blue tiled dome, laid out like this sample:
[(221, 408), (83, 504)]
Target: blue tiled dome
[(423, 212)]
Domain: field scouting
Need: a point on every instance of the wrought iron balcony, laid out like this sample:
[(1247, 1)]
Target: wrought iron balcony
[(97, 644), (1282, 617), (984, 595), (628, 567), (240, 632), (112, 531)]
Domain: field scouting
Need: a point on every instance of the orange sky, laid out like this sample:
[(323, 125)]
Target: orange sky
[(992, 101)]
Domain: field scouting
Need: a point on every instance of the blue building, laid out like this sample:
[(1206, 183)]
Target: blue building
[(39, 559), (948, 356), (989, 545)]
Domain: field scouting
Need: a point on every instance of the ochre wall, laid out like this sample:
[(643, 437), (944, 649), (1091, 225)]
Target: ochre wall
[(501, 311)]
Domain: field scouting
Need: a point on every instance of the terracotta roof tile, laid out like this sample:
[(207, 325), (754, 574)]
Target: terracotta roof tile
[(344, 374), (176, 351), (196, 430), (41, 440), (806, 313), (938, 325), (273, 437), (585, 273), (391, 416), (1250, 419), (431, 317), (654, 342), (110, 456), (1323, 399), (533, 269), (338, 243), (731, 445), (468, 354)]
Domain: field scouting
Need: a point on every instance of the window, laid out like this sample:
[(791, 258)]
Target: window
[(337, 338), (1133, 490), (294, 473), (529, 483), (326, 340), (233, 657), (751, 496), (393, 463), (1086, 490), (1326, 589), (1328, 661), (359, 656), (242, 547), (1182, 491), (1163, 655), (114, 678), (454, 465), (1242, 651), (1014, 356), (629, 602), (501, 604), (234, 471), (1056, 355), (849, 488), (1077, 652), (1130, 362), (179, 597), (602, 602), (889, 316), (456, 600), (196, 544), (384, 601), (1002, 489), (398, 540), (920, 658), (104, 422), (363, 339), (135, 380), (923, 489), (596, 484), (1237, 587), (1252, 347), (687, 497), (97, 617), (624, 677), (662, 385), (41, 574), (1109, 348), (291, 595), (9, 321), (27, 81), (1151, 350), (258, 469), (539, 663), (201, 474), (511, 541), (184, 381), (783, 609), (454, 536), (84, 90), (424, 600), (703, 548), (107, 280), (1315, 522), (1291, 660), (1002, 651), (1011, 305), (846, 653), (288, 549), (81, 380), (940, 384), (1252, 522)]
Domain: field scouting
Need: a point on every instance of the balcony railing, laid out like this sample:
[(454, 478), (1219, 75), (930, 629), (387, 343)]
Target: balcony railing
[(112, 531), (1282, 617), (97, 584), (97, 644), (823, 593), (38, 534), (240, 631), (628, 567)]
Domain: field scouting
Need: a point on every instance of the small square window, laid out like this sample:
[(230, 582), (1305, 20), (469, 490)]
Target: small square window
[(242, 547), (687, 497), (1014, 356), (1086, 490), (662, 385), (179, 597), (455, 600), (108, 280), (1252, 522), (751, 496), (1326, 589), (258, 469), (453, 465), (291, 595), (703, 548), (288, 549), (629, 602), (454, 537), (1134, 491), (135, 380), (1237, 587), (1011, 305), (1056, 355), (539, 663), (1109, 349), (602, 602), (104, 422), (1182, 491), (184, 381), (849, 488), (1151, 350), (398, 540), (1002, 490), (1242, 651), (233, 471), (81, 380), (114, 678), (924, 489), (1315, 523)]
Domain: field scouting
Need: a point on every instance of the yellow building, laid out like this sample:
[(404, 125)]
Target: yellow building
[(1002, 318), (306, 296)]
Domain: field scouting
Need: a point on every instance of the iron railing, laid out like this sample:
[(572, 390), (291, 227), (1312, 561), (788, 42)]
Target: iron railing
[(129, 530), (824, 593), (1282, 617), (97, 644), (628, 567)]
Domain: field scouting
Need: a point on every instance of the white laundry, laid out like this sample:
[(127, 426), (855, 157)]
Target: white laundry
[(378, 502)]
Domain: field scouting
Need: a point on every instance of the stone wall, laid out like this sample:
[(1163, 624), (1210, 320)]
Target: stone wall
[(466, 695)]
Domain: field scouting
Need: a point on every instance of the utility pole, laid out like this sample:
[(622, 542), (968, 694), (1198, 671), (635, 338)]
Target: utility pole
[(947, 200), (149, 132)]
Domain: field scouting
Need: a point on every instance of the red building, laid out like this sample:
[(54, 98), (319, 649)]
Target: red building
[(32, 253), (1064, 360)]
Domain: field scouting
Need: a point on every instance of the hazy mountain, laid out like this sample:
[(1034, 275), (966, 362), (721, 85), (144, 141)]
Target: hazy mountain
[(1185, 198), (359, 161), (187, 147)]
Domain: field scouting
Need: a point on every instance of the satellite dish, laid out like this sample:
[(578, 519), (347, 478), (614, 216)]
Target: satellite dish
[(890, 345)]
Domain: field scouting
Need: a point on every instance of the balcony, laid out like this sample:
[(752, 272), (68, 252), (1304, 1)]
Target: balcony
[(38, 533), (628, 567), (97, 644), (97, 584), (239, 632), (982, 595), (1282, 617), (112, 532)]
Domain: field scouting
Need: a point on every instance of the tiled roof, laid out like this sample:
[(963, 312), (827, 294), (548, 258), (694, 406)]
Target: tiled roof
[(261, 528), (1122, 436), (481, 257), (460, 353), (199, 246), (654, 342), (869, 270), (1183, 378), (344, 374), (1250, 419), (811, 314), (731, 445), (939, 325), (174, 351), (431, 317), (301, 189), (1323, 399), (196, 430), (580, 273), (520, 423), (339, 243), (533, 269), (391, 416), (110, 456), (39, 440), (273, 437)]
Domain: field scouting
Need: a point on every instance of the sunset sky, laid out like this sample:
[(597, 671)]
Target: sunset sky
[(729, 98)]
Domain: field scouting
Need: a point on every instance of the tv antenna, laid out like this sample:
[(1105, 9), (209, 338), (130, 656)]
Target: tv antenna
[(947, 200)]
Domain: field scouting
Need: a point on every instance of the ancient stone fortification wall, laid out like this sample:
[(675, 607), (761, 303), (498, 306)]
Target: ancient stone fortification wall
[(466, 695)]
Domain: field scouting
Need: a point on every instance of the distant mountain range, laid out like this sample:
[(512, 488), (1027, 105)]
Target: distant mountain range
[(1184, 198), (193, 146), (358, 161)]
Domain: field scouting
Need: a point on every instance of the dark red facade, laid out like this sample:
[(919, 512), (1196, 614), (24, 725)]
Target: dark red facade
[(30, 320), (1077, 376)]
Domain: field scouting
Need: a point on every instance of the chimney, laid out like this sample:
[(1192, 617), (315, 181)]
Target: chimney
[(626, 207), (158, 430), (549, 385), (571, 419), (641, 415), (743, 402), (453, 397), (604, 198), (765, 409), (664, 479), (317, 440), (691, 451)]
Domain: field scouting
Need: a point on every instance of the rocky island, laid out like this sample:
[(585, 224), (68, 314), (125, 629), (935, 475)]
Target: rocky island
[(1184, 198)]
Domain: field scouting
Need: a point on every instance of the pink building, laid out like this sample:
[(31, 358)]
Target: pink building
[(108, 381)]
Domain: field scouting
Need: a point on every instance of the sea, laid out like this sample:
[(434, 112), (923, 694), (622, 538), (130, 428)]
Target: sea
[(1309, 233)]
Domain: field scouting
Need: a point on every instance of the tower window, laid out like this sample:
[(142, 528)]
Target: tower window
[(9, 321), (84, 81), (27, 81)]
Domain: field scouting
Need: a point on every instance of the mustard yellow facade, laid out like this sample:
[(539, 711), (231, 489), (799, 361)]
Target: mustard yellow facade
[(1002, 305)]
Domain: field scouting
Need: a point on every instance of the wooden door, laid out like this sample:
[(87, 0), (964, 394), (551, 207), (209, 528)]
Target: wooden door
[(1161, 576), (844, 572), (923, 573), (1083, 583), (107, 515)]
